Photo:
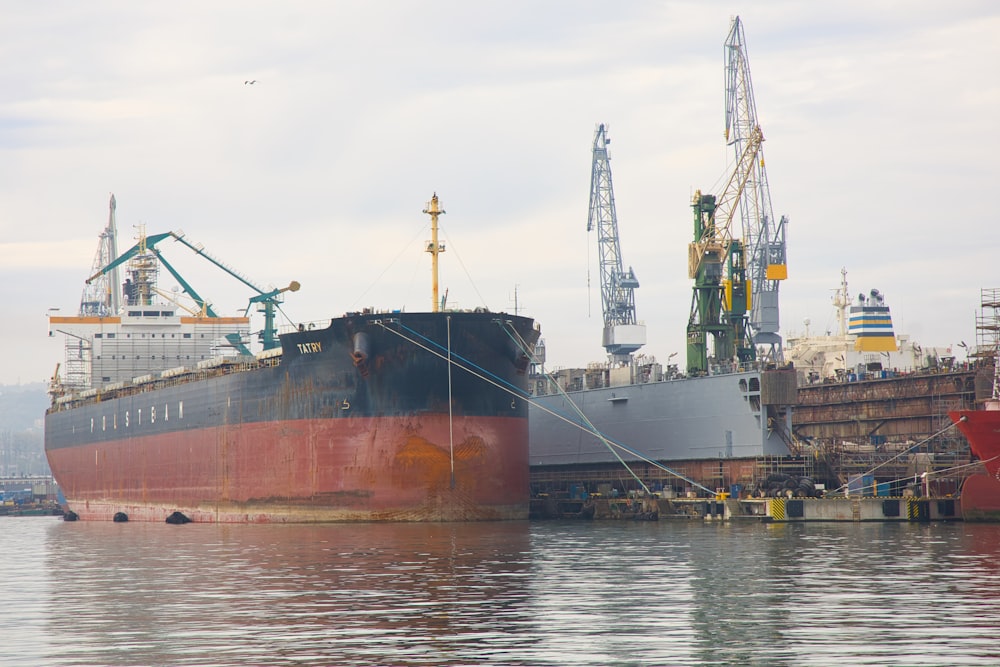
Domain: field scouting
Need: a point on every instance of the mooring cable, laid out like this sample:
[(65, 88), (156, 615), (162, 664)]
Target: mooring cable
[(593, 430), (507, 387), (905, 451)]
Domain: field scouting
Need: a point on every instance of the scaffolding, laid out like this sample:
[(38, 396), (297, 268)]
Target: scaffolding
[(988, 336)]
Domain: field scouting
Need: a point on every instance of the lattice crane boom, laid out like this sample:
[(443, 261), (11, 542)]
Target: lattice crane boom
[(763, 237), (623, 335), (716, 238), (100, 298), (716, 262)]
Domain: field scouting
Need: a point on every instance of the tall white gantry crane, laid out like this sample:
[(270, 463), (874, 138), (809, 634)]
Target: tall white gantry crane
[(623, 335), (102, 298), (764, 238)]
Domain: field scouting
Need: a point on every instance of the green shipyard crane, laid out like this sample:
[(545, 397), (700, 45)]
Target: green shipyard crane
[(622, 335), (764, 239), (716, 262)]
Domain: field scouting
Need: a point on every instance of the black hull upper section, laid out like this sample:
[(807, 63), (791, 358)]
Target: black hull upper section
[(362, 365)]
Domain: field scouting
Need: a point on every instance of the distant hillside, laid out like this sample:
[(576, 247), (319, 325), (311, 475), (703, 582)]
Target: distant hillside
[(22, 406), (22, 411)]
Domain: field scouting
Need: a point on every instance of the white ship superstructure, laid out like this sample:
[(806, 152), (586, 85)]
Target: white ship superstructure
[(144, 340), (864, 343)]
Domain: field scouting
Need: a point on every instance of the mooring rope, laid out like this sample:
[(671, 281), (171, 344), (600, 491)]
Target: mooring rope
[(593, 430), (485, 375), (905, 451)]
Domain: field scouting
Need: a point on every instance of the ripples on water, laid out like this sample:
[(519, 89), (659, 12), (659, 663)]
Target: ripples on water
[(542, 593)]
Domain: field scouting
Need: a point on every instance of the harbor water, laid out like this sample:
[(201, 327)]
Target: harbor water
[(522, 593)]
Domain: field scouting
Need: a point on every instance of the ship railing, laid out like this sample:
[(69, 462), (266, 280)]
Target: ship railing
[(303, 326), (209, 363), (729, 368), (268, 354), (170, 377)]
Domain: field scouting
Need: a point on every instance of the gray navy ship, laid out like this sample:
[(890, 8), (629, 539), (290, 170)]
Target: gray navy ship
[(594, 419)]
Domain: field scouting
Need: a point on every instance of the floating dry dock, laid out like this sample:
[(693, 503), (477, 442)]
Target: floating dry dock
[(785, 510)]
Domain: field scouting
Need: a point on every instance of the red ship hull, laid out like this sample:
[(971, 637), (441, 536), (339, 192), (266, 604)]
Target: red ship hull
[(982, 429), (368, 469), (981, 493)]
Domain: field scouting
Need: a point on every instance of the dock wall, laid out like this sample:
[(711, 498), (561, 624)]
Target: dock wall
[(778, 510)]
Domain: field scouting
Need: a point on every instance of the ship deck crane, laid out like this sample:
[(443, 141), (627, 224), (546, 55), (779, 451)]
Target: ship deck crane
[(267, 298), (622, 335), (764, 238)]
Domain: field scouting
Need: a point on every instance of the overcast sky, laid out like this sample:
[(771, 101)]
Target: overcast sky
[(880, 120)]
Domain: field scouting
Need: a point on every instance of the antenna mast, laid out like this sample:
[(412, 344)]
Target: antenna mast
[(434, 248)]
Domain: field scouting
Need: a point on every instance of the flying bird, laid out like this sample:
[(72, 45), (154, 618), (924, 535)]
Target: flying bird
[(249, 83)]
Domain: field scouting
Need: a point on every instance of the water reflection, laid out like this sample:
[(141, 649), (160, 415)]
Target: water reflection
[(151, 594), (614, 593)]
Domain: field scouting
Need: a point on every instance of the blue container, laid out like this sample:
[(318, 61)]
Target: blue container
[(861, 485)]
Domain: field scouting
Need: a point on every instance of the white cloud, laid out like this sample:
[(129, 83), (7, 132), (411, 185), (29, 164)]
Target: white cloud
[(877, 116)]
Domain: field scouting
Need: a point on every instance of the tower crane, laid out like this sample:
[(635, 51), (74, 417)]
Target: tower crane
[(716, 262), (100, 297), (764, 238), (623, 335)]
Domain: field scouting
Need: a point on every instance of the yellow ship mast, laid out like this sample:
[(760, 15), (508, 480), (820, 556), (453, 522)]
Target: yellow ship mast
[(434, 248)]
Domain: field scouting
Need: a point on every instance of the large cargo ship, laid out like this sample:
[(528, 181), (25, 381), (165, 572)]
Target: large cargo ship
[(372, 416)]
